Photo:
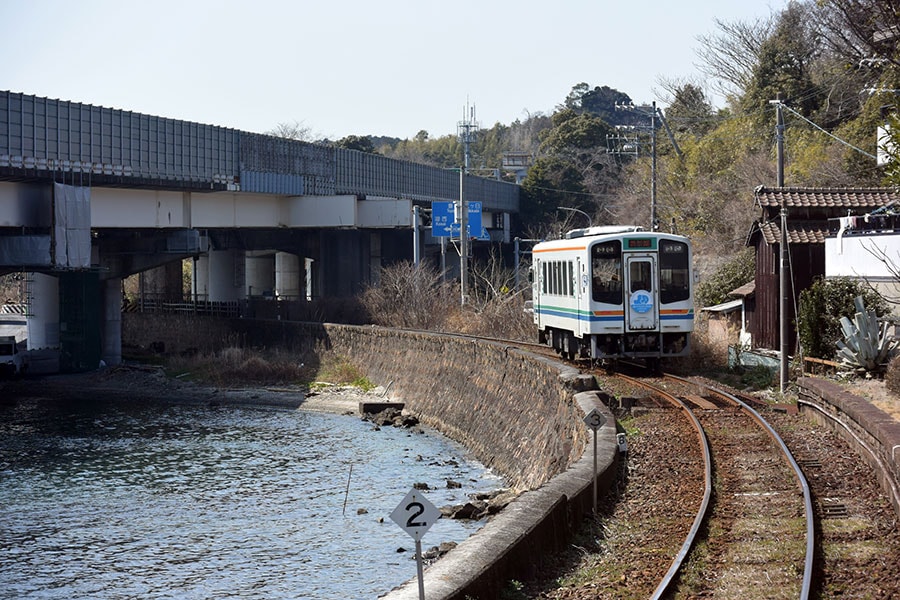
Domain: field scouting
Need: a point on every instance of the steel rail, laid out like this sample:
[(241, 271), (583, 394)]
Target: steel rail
[(888, 480), (807, 496), (670, 575)]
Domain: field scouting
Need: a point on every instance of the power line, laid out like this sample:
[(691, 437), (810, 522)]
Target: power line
[(828, 133)]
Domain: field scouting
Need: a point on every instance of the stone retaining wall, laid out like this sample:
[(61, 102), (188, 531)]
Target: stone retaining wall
[(873, 433)]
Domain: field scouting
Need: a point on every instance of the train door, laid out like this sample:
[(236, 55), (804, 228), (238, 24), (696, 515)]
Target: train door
[(582, 295), (536, 282), (640, 293)]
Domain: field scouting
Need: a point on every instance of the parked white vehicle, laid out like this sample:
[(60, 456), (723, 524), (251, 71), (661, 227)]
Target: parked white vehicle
[(12, 361)]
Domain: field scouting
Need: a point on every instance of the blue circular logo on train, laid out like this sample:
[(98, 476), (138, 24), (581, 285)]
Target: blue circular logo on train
[(641, 301)]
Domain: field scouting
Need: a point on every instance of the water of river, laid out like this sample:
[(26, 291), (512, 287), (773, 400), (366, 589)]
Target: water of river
[(141, 500)]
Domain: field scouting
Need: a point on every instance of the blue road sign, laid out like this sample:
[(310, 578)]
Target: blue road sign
[(444, 223)]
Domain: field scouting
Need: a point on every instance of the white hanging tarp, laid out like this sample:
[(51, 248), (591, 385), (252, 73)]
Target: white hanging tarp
[(72, 226)]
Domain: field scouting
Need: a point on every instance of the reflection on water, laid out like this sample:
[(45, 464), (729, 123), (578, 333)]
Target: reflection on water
[(136, 500)]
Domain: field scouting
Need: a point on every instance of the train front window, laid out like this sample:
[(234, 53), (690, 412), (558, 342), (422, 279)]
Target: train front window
[(606, 272), (674, 271), (640, 277)]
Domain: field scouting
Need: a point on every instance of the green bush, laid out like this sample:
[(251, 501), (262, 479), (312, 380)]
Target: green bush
[(739, 270), (821, 307)]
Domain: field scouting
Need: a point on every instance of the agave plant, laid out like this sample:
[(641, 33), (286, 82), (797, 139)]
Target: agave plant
[(867, 345)]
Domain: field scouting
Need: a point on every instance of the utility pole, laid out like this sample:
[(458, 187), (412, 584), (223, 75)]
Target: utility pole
[(632, 146), (467, 128), (417, 251), (654, 222), (783, 271)]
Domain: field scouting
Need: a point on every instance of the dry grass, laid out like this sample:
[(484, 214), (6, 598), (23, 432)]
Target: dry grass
[(233, 365), (419, 298), (876, 392), (242, 366)]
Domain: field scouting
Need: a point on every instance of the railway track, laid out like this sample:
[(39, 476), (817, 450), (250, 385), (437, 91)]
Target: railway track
[(754, 524)]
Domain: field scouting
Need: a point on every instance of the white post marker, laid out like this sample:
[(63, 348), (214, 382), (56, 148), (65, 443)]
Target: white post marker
[(595, 420), (415, 515)]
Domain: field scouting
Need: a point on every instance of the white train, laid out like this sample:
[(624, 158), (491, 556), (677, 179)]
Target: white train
[(614, 292)]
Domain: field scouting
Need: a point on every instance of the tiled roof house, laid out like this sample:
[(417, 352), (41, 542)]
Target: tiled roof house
[(808, 214)]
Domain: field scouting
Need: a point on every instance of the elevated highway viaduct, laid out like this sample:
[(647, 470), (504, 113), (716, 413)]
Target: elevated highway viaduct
[(91, 195)]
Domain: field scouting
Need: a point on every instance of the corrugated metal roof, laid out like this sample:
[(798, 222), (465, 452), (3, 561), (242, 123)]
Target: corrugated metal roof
[(852, 198), (799, 232), (724, 307)]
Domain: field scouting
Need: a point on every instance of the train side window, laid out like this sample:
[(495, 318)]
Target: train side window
[(543, 277), (674, 271), (606, 272), (555, 279)]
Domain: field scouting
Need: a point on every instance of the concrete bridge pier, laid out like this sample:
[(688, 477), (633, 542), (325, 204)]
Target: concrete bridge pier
[(163, 283), (226, 275), (200, 278), (43, 320), (111, 326), (288, 276), (260, 269)]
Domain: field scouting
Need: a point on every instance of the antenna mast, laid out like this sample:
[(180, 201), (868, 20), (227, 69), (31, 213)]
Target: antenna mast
[(467, 128)]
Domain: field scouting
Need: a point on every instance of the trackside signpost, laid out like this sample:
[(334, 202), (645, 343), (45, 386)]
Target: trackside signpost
[(415, 515), (595, 420)]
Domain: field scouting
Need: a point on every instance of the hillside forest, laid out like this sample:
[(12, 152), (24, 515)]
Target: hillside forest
[(835, 65)]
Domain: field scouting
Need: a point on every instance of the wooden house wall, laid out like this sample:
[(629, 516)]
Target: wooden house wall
[(764, 328), (807, 262)]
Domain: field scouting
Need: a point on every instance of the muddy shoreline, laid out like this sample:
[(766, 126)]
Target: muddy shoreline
[(148, 382)]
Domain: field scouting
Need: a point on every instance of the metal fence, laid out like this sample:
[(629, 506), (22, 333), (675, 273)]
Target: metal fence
[(50, 137)]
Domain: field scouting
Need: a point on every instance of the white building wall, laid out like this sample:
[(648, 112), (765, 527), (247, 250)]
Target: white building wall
[(858, 256), (867, 257)]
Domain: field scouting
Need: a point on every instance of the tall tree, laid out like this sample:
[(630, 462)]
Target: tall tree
[(551, 182), (574, 131), (863, 32), (601, 102), (363, 143), (730, 56), (786, 64), (690, 111), (292, 131)]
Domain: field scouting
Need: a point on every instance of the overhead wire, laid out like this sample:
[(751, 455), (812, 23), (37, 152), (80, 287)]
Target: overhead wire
[(846, 143)]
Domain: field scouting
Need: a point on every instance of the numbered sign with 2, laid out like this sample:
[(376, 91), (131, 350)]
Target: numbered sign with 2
[(415, 514)]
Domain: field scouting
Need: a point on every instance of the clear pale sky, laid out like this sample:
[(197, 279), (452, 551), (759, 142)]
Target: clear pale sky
[(364, 67)]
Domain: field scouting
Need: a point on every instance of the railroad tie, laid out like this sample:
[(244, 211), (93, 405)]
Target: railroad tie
[(700, 402)]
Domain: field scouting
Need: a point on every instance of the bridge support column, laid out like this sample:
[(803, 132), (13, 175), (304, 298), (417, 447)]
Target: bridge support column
[(260, 274), (43, 322), (287, 276), (308, 263), (164, 283), (111, 326), (200, 279), (226, 275)]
